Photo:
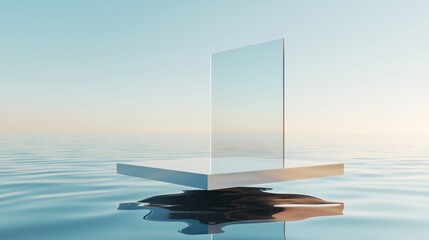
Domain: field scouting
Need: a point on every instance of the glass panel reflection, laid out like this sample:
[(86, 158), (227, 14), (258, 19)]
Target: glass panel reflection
[(247, 120)]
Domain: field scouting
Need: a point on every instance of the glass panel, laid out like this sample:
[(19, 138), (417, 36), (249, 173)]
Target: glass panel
[(247, 119)]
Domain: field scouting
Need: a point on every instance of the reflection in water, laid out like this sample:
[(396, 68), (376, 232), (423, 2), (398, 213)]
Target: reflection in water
[(207, 212)]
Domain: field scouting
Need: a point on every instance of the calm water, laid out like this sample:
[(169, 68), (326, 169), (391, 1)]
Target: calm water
[(66, 187)]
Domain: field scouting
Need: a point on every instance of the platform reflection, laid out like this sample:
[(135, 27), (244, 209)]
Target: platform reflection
[(208, 211)]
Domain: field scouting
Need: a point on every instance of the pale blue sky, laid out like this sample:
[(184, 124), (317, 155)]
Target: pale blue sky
[(143, 66)]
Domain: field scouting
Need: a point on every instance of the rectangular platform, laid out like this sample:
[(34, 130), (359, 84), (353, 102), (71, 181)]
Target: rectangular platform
[(194, 173)]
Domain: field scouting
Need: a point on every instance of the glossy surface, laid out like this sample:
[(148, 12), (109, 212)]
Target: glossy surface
[(66, 187), (168, 172), (208, 212)]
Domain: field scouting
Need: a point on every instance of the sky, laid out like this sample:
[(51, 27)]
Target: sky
[(144, 66)]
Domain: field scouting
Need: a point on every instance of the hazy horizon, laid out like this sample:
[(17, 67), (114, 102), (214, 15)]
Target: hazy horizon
[(143, 67)]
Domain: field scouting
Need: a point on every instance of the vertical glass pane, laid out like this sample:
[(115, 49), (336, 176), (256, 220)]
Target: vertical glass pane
[(247, 108)]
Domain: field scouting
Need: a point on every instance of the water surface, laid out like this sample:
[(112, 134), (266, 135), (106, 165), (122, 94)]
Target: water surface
[(66, 187)]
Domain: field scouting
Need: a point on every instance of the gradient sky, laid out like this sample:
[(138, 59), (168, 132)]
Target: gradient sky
[(143, 66)]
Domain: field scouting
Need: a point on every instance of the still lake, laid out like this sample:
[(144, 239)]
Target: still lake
[(66, 187)]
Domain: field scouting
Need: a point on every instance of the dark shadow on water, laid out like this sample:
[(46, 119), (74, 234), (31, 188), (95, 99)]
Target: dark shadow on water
[(207, 212)]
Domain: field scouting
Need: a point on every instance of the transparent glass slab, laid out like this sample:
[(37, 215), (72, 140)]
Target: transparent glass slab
[(247, 128), (247, 108)]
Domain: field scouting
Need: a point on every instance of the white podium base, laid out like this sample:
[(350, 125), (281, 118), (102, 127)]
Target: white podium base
[(196, 173)]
